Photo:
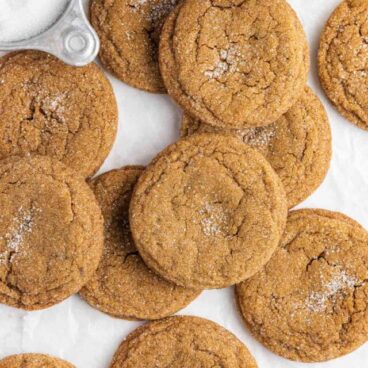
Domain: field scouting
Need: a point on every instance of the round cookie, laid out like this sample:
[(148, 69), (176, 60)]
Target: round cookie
[(208, 212), (129, 31), (183, 341), (237, 65), (310, 301), (326, 213), (51, 232), (53, 109), (123, 286), (298, 145), (342, 60), (33, 361)]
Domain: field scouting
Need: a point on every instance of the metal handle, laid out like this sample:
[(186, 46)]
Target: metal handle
[(71, 39)]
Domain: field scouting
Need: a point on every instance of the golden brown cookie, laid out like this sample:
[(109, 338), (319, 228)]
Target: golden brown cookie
[(50, 108), (33, 361), (51, 232), (178, 342), (208, 212), (129, 31), (298, 145), (123, 286), (310, 301), (326, 213), (235, 65), (342, 60)]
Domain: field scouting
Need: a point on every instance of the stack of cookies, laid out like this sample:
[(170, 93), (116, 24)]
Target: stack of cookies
[(210, 211)]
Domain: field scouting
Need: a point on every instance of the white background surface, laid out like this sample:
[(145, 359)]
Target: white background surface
[(74, 331)]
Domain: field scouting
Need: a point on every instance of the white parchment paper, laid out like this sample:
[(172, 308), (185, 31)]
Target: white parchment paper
[(88, 338)]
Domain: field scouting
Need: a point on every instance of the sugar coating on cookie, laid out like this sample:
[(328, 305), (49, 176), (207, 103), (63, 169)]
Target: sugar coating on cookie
[(51, 232), (310, 302), (342, 60), (183, 341), (237, 64), (298, 145), (33, 361), (123, 286), (53, 109), (129, 31), (208, 212)]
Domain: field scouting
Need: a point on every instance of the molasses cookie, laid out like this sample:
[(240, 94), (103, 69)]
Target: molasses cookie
[(51, 232), (178, 342), (129, 31), (208, 212), (298, 145), (123, 286), (309, 303), (326, 213), (33, 361), (53, 109), (237, 65), (342, 60)]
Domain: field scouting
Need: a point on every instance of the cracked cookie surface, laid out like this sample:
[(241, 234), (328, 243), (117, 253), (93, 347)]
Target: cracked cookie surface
[(129, 31), (208, 212), (234, 64), (50, 108), (310, 302), (298, 145), (182, 341), (342, 60), (123, 285), (51, 232), (33, 361)]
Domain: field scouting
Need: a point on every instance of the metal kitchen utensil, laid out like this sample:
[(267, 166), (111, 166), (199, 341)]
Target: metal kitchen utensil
[(71, 38)]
